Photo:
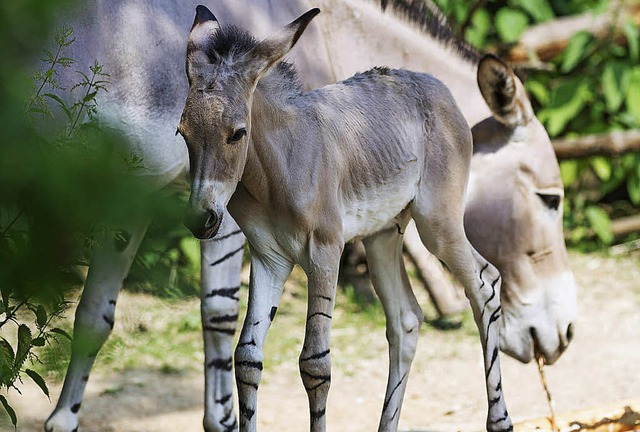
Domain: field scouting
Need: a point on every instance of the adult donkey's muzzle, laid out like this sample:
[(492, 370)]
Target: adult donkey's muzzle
[(204, 224)]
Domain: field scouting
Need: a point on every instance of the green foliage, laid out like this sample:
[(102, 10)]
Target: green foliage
[(593, 87)]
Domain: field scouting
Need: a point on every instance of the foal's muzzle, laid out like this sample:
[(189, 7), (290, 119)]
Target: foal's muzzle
[(203, 224)]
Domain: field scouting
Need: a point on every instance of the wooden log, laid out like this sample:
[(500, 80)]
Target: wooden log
[(544, 41), (607, 144), (622, 416), (625, 225)]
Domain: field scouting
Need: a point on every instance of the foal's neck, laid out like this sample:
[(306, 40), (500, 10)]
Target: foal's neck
[(275, 122)]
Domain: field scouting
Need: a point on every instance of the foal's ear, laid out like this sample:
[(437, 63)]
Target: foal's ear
[(204, 26), (275, 47), (503, 92)]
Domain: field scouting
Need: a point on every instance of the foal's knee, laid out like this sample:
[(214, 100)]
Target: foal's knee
[(315, 369), (404, 332), (248, 364)]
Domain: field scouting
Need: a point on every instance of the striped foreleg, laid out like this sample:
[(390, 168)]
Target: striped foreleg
[(221, 266), (315, 358), (94, 320), (268, 276)]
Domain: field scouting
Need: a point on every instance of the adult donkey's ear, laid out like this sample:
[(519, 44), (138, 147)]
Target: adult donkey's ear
[(503, 92), (275, 47), (204, 26)]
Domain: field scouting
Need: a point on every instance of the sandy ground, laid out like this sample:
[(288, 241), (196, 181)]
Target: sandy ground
[(445, 393)]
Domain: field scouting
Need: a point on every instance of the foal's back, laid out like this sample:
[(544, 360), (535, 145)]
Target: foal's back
[(389, 133)]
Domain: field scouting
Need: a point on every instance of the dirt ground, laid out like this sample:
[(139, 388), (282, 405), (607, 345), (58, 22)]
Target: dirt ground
[(445, 392)]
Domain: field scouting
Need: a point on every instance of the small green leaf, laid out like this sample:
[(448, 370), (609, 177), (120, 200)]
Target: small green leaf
[(540, 10), (568, 172), (633, 93), (577, 50), (61, 104), (602, 167), (39, 342), (539, 91), (190, 247), (35, 376), (600, 222), (615, 82), (41, 316), (633, 188), (632, 33), (90, 96), (480, 27), (510, 24), (60, 332), (24, 345), (567, 101), (7, 359), (9, 410)]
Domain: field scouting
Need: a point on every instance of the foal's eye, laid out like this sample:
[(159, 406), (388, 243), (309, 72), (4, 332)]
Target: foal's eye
[(551, 201), (237, 135)]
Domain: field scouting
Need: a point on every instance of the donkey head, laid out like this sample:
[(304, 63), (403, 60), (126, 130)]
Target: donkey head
[(224, 65), (517, 192)]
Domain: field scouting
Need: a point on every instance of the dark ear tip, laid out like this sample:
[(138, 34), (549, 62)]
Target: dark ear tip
[(491, 58), (203, 14), (310, 14)]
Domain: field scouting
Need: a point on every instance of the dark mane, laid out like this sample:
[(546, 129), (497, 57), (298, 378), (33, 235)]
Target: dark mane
[(428, 18), (231, 42)]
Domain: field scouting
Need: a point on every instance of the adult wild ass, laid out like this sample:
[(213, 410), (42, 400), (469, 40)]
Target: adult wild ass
[(513, 169), (304, 172)]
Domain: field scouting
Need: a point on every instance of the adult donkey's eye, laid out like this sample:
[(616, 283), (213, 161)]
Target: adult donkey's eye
[(237, 135), (551, 201)]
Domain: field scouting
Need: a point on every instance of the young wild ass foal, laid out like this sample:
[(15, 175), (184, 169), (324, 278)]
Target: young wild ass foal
[(303, 173)]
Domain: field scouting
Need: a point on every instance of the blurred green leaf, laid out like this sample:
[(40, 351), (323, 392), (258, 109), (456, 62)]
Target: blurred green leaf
[(480, 27), (191, 248), (633, 93), (510, 24), (602, 167), (633, 188), (615, 82), (600, 222), (567, 100), (540, 10), (568, 172), (577, 50), (41, 316), (539, 91), (7, 359), (632, 33)]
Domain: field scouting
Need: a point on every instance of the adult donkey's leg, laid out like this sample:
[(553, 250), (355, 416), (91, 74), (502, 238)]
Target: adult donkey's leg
[(403, 314), (94, 321), (221, 267), (268, 275), (315, 358)]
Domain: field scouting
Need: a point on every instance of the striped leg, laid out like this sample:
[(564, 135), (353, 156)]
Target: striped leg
[(221, 267), (265, 289), (94, 321), (481, 282), (403, 313), (315, 359)]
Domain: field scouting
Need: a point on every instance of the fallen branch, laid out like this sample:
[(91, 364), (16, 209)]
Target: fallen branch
[(608, 144), (544, 41), (625, 225)]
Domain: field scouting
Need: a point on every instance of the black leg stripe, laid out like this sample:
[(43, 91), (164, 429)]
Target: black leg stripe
[(493, 360), (494, 401), (246, 383), (231, 234), (327, 298), (246, 411), (112, 302), (316, 356), (320, 384), (386, 402), (224, 292), (223, 319), (249, 364), (226, 331), (223, 400), (499, 386), (316, 377), (272, 314), (75, 408), (252, 342), (322, 314), (223, 364), (227, 256), (317, 415)]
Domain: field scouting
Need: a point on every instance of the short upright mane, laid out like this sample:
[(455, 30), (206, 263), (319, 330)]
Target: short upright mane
[(428, 18), (230, 43)]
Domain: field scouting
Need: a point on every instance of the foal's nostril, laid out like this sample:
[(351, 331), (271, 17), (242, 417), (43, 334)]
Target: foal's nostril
[(212, 220), (570, 332)]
